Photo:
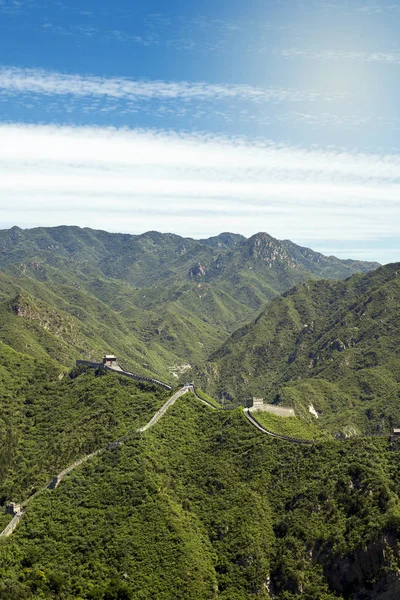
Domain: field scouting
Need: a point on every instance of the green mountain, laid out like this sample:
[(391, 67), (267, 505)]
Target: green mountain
[(332, 348), (49, 418), (203, 506), (161, 301)]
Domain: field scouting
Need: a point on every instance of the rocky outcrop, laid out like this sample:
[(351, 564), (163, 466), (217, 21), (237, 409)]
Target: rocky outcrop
[(59, 324), (197, 271), (368, 574), (21, 307), (264, 247)]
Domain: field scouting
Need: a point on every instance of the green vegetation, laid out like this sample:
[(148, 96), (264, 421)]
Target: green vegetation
[(290, 426), (160, 301), (204, 506), (207, 398), (327, 347), (48, 419)]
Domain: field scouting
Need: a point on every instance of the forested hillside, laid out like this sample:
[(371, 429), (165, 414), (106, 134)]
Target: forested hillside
[(48, 418), (161, 301), (333, 347), (204, 506)]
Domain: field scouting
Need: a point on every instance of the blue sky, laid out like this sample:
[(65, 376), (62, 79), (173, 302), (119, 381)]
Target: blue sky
[(200, 117)]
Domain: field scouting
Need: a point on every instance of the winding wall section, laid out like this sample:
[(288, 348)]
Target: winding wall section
[(187, 388), (12, 525), (252, 419), (58, 478), (120, 371)]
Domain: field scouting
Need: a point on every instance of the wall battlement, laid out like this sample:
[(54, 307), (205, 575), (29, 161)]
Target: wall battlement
[(13, 508), (120, 371), (280, 411)]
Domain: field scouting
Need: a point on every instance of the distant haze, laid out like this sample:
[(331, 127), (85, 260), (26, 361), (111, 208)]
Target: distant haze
[(196, 118), (342, 203)]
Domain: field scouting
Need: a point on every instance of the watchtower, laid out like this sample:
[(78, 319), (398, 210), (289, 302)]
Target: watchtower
[(109, 360), (395, 437), (13, 508), (281, 411), (258, 404)]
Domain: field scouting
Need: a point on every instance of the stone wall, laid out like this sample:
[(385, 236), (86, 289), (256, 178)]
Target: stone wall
[(13, 508), (58, 478), (258, 405), (120, 371), (253, 420), (12, 525)]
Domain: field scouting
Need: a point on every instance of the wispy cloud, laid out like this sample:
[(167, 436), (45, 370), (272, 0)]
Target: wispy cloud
[(355, 6), (35, 81), (201, 33), (11, 6), (351, 120), (126, 180), (374, 8), (370, 57)]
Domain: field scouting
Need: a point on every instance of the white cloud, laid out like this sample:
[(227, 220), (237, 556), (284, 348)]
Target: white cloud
[(371, 57), (36, 81), (373, 9), (132, 181)]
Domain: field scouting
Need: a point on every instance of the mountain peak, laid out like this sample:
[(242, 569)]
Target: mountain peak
[(224, 240), (263, 246), (263, 235)]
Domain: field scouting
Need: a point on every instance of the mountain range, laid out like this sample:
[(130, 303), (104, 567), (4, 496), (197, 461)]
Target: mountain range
[(202, 506), (331, 350), (160, 301)]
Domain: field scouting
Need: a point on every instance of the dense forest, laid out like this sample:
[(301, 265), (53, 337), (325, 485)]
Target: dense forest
[(159, 301), (334, 346), (205, 506), (202, 504)]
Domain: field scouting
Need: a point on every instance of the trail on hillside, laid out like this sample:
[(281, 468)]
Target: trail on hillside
[(158, 415), (58, 478), (253, 421)]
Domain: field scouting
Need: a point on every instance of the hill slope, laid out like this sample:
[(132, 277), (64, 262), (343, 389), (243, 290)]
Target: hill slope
[(49, 418), (205, 507), (334, 346), (202, 506), (159, 300)]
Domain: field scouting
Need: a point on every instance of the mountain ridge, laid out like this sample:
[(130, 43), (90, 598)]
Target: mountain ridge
[(334, 346), (203, 505), (172, 300)]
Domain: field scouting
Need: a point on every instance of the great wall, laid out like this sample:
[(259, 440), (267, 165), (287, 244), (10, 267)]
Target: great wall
[(18, 510), (253, 421), (116, 368)]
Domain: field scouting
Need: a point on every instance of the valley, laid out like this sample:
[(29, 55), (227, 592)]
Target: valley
[(163, 514), (136, 484), (161, 301)]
